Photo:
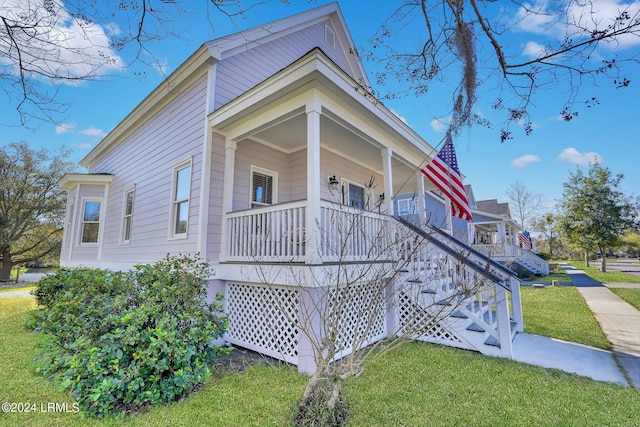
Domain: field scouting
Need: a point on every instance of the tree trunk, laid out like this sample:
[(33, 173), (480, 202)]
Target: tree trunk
[(603, 256), (586, 258), (5, 266)]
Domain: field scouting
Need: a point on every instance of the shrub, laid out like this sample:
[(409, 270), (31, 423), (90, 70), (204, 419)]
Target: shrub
[(121, 341)]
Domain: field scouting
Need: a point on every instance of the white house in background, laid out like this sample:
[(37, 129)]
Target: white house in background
[(251, 153)]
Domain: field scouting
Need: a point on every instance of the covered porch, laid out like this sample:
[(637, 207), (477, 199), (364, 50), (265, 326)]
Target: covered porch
[(305, 153)]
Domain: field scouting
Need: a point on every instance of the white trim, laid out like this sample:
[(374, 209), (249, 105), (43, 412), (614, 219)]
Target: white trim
[(100, 221), (274, 190), (129, 189), (172, 201), (345, 182)]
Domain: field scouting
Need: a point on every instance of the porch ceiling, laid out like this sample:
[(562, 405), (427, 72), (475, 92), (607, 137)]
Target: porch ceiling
[(289, 136)]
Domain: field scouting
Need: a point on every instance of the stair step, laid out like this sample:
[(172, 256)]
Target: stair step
[(476, 305), (492, 341), (444, 302), (475, 327), (459, 315), (414, 280), (428, 291)]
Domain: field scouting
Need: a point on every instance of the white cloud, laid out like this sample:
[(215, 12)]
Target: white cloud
[(572, 155), (441, 124), (550, 18), (92, 131), (65, 128), (59, 44), (534, 50), (601, 14), (525, 160)]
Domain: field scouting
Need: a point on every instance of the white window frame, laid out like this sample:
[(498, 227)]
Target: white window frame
[(411, 208), (365, 192), (175, 203), (274, 190), (127, 218), (83, 222)]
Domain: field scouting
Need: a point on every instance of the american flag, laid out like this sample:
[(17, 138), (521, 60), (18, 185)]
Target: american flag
[(525, 238), (444, 173)]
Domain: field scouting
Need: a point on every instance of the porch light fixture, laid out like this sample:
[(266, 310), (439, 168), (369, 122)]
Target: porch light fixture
[(333, 183)]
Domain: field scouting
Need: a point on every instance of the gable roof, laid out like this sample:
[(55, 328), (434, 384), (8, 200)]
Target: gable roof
[(493, 207), (216, 50)]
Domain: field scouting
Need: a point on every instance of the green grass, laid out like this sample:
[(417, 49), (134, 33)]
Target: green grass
[(421, 384), (258, 397), (560, 312), (609, 277), (28, 287), (632, 296), (415, 384)]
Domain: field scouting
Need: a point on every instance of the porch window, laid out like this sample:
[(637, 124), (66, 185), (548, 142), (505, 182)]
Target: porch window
[(90, 221), (407, 207), (181, 193), (263, 187), (356, 194), (127, 215)]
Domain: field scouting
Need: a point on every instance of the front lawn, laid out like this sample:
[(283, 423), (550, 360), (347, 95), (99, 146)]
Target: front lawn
[(609, 277), (414, 384), (630, 295), (422, 384), (560, 312)]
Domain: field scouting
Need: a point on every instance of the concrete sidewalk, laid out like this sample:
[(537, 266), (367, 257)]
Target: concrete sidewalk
[(619, 321)]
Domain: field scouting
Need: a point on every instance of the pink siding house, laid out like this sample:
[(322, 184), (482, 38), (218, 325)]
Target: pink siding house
[(252, 153)]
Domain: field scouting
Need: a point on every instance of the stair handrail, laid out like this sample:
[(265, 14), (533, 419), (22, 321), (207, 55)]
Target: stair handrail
[(474, 265)]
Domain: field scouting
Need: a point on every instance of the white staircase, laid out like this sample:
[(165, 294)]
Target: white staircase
[(450, 294)]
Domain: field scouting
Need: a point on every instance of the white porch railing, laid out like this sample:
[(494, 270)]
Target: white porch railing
[(271, 233), (504, 252), (458, 293), (279, 233)]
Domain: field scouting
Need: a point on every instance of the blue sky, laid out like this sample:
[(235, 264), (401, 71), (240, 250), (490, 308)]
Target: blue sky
[(541, 162)]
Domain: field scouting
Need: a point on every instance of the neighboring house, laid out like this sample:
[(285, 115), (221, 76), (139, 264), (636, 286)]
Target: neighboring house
[(496, 234), (492, 231), (252, 153)]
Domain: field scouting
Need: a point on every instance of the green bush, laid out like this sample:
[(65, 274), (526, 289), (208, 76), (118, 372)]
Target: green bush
[(121, 341)]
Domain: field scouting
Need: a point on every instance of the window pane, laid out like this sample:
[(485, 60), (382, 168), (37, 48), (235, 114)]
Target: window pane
[(356, 196), (262, 188), (127, 229), (90, 232), (91, 211), (183, 181), (129, 206), (182, 213)]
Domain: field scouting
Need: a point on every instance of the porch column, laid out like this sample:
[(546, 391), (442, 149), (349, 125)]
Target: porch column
[(471, 233), (422, 209), (387, 173), (230, 147), (502, 235), (313, 183)]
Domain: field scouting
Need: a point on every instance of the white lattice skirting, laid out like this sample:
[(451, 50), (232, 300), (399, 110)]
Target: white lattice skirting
[(412, 316), (263, 318)]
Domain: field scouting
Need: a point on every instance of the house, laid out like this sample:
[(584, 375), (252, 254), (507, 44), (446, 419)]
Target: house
[(496, 234), (255, 153), (492, 231)]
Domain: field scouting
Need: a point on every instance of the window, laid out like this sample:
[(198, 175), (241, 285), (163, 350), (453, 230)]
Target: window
[(356, 195), (127, 215), (90, 221), (263, 187), (181, 192), (407, 207)]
